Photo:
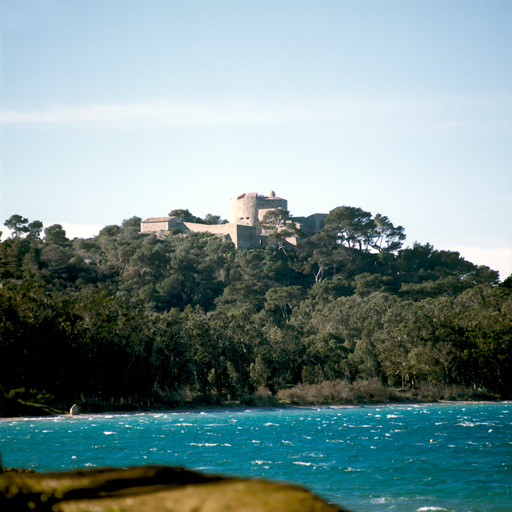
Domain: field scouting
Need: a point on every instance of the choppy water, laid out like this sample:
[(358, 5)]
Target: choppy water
[(455, 457)]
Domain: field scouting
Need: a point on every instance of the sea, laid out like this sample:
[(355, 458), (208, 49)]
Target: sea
[(428, 457)]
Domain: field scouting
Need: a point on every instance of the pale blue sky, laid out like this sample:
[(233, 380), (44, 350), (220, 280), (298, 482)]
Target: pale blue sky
[(116, 108)]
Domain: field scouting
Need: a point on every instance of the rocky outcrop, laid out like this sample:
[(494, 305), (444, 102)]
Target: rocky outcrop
[(151, 489)]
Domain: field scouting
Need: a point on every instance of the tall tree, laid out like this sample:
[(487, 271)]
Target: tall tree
[(353, 227), (387, 237), (185, 216), (132, 222), (213, 219), (55, 234), (109, 231), (278, 228), (285, 298), (34, 230), (17, 224), (274, 221)]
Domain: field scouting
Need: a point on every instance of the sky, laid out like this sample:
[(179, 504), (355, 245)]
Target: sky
[(116, 108)]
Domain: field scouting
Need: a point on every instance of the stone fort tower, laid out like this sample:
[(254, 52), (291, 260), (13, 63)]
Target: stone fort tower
[(248, 209)]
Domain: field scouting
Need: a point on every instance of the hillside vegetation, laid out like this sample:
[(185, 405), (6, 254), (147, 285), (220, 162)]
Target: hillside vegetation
[(125, 320)]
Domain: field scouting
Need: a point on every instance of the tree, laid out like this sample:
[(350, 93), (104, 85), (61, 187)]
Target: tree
[(506, 283), (365, 284), (274, 221), (426, 272), (34, 230), (185, 216), (55, 234), (172, 365), (109, 231), (259, 372), (132, 222), (241, 294), (323, 292), (388, 237), (55, 258), (353, 227), (320, 262), (285, 298), (278, 228), (17, 224), (130, 229), (12, 254), (213, 219)]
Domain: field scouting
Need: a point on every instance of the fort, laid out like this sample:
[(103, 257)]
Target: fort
[(244, 230)]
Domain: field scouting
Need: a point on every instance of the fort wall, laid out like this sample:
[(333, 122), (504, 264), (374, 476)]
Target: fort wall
[(311, 224), (246, 210), (244, 237)]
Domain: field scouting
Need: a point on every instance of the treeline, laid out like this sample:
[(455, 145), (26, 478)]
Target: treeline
[(147, 318)]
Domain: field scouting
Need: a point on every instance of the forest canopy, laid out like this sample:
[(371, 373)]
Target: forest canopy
[(148, 315)]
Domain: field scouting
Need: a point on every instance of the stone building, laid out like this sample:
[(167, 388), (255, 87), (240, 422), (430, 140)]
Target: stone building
[(156, 224), (246, 211), (250, 208)]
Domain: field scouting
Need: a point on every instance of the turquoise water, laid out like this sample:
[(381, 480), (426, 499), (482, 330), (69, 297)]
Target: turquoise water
[(455, 457)]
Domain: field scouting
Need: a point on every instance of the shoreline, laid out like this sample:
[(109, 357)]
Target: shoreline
[(242, 408)]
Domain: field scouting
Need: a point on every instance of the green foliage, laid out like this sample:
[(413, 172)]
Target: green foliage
[(109, 231), (34, 229), (55, 234), (357, 229), (184, 216), (31, 396), (17, 224), (213, 219), (279, 229), (284, 298), (132, 222), (163, 319)]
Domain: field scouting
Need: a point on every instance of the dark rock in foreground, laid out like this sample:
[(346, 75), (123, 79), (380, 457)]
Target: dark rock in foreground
[(150, 489)]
